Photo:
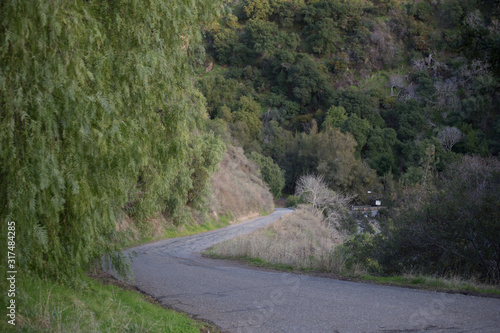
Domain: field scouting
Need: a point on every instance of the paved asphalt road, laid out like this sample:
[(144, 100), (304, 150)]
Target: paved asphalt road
[(240, 299)]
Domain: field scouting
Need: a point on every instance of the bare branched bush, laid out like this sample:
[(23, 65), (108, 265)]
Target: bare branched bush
[(475, 175), (333, 205), (476, 69), (447, 93), (449, 136), (385, 48), (396, 81), (474, 20), (408, 92), (419, 64)]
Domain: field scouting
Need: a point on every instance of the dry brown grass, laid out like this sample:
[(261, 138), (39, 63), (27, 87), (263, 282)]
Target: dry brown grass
[(237, 191), (301, 239), (237, 188)]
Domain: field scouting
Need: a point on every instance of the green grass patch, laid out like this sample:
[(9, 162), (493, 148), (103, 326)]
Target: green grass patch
[(93, 306), (193, 229), (45, 306), (217, 70), (265, 212), (378, 83), (432, 283)]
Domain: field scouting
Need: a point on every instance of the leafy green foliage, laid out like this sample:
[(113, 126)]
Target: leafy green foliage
[(246, 124), (359, 128), (293, 201), (192, 183), (380, 150), (260, 36), (421, 11), (452, 230), (219, 92), (407, 69), (306, 80), (97, 110), (225, 39), (271, 173), (274, 140), (331, 154), (335, 117), (258, 9), (248, 112), (361, 104), (407, 119), (326, 19)]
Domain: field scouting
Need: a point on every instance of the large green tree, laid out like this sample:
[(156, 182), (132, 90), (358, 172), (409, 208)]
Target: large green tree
[(97, 106), (330, 153)]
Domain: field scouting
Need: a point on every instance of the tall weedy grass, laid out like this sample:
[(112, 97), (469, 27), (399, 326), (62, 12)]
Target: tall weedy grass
[(47, 306), (301, 240)]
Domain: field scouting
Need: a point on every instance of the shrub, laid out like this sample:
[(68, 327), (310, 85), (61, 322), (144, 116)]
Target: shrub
[(452, 230), (271, 173), (332, 205), (293, 201)]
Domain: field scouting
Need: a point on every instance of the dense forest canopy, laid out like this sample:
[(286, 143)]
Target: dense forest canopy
[(390, 99), (405, 81)]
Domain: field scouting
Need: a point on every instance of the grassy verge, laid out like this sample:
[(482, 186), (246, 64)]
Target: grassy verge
[(187, 230), (129, 239), (102, 304), (454, 285), (257, 262), (432, 283), (301, 243), (97, 306)]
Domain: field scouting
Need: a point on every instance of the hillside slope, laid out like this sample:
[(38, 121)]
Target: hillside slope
[(237, 187)]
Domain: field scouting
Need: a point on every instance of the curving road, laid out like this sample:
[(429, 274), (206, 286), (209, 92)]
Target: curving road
[(240, 299)]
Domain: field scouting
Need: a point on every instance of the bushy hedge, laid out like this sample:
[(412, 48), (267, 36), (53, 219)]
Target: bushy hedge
[(452, 229)]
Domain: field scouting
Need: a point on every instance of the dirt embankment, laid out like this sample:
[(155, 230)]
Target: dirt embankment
[(238, 189)]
